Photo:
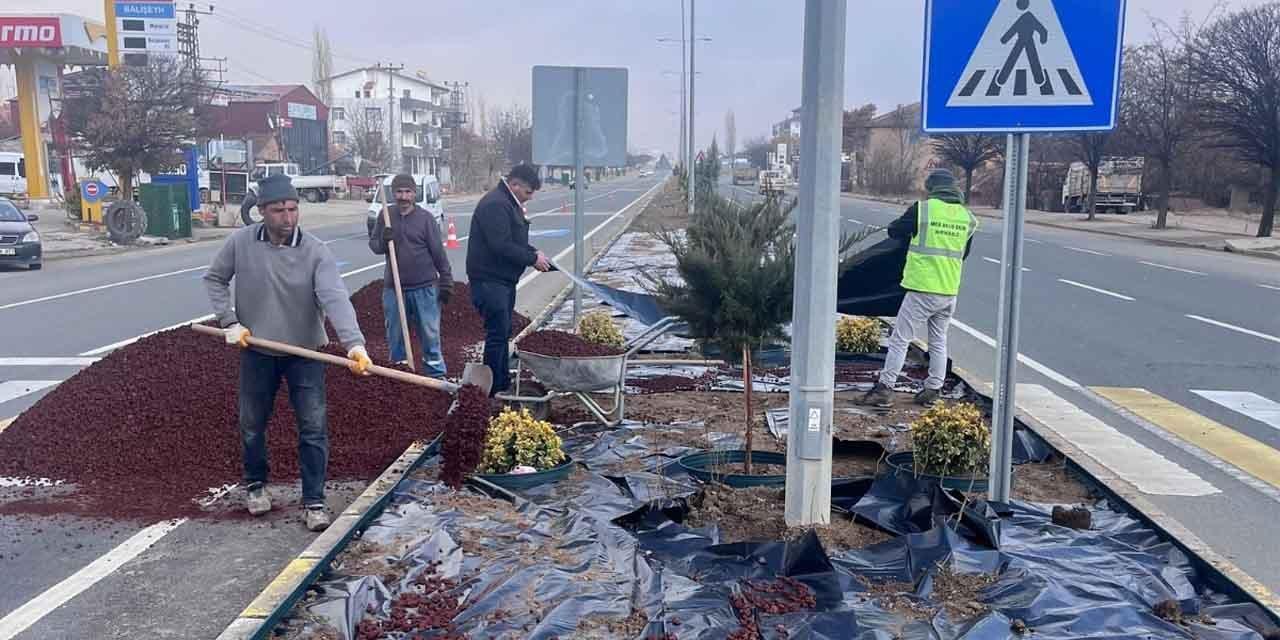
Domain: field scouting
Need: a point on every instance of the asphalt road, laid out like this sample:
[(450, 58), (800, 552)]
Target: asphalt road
[(1198, 328), (190, 579)]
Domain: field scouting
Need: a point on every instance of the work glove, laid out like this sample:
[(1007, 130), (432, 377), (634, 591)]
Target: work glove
[(444, 292), (236, 334), (387, 236), (360, 361)]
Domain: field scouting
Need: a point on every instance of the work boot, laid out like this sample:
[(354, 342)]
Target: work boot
[(317, 517), (257, 500), (879, 396), (927, 397)]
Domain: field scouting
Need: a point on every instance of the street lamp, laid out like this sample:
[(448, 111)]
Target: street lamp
[(683, 150)]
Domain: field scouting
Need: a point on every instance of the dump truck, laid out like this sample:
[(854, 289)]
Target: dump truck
[(1119, 186)]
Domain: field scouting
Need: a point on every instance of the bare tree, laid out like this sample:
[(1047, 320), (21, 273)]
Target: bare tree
[(469, 160), (969, 152), (1235, 68), (135, 119), (322, 65), (1156, 106), (757, 152), (892, 163), (511, 132), (730, 138), (1090, 148), (368, 140)]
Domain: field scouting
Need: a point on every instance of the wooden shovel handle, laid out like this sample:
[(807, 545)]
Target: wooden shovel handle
[(386, 372)]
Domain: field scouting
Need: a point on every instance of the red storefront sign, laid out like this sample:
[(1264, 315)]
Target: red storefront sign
[(30, 32)]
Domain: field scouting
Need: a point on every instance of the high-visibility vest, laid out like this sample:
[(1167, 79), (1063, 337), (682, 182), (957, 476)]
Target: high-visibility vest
[(935, 258)]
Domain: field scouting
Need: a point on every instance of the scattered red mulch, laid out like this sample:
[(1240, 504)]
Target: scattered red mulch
[(554, 343), (668, 383), (431, 606), (774, 597), (154, 425), (464, 436)]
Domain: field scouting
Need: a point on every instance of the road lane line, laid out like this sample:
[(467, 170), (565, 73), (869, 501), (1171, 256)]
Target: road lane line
[(1267, 286), (1190, 449), (102, 287), (994, 261), (1089, 251), (1233, 327), (1254, 457), (1179, 269), (1145, 469), (46, 362), (42, 605), (1264, 410), (1095, 289), (14, 389), (1033, 241)]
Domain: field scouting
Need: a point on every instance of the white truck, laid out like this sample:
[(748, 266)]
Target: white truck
[(311, 188), (1119, 186), (13, 176)]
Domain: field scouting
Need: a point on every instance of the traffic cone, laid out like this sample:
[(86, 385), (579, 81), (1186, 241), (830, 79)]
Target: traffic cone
[(451, 242)]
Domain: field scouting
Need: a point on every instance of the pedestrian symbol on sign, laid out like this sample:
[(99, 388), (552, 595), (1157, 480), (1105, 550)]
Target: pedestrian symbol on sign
[(1023, 59)]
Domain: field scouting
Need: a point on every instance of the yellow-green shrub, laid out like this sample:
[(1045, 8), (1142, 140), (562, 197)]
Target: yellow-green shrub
[(951, 439), (598, 327), (516, 438), (856, 334)]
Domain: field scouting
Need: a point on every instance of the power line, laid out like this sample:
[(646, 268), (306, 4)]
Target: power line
[(234, 19)]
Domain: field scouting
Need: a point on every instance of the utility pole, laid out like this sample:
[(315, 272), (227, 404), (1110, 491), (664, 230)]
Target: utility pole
[(692, 175), (392, 140), (808, 494), (684, 87)]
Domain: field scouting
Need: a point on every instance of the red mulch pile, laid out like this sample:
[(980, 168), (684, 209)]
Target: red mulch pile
[(565, 345), (153, 425)]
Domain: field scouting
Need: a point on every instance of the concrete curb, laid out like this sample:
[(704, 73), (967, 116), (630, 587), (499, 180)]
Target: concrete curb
[(1213, 564), (274, 602)]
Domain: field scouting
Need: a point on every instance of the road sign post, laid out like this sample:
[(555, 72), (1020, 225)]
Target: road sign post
[(580, 186), (808, 490), (1018, 67)]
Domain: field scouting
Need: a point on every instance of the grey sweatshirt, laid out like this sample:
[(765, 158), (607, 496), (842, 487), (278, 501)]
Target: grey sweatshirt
[(419, 249), (284, 292)]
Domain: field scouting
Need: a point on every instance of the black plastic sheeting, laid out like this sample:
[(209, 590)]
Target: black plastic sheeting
[(610, 541), (870, 283)]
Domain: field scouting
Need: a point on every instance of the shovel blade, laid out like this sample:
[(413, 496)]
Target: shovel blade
[(479, 375)]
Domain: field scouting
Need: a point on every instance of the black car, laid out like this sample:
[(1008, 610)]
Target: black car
[(19, 242)]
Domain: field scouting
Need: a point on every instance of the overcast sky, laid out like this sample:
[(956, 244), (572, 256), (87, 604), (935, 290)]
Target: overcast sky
[(752, 65)]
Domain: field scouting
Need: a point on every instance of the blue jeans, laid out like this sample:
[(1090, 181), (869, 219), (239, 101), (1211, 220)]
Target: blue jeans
[(260, 376), (422, 311), (496, 301)]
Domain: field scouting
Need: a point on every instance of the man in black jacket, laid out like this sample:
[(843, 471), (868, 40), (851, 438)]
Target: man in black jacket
[(497, 255)]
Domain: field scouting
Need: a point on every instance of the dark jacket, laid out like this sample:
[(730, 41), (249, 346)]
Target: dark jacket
[(904, 228), (419, 249), (499, 250)]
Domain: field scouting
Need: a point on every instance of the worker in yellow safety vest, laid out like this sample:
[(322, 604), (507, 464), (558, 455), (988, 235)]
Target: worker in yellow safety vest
[(939, 230)]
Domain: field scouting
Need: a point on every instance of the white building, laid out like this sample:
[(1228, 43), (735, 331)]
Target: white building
[(419, 115)]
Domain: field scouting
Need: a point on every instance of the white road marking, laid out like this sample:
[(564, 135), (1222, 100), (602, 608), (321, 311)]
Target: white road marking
[(1145, 469), (1034, 241), (1233, 327), (1152, 428), (1267, 286), (1095, 289), (47, 362), (102, 287), (1089, 251), (1264, 410), (1179, 269), (994, 261), (59, 594), (14, 389)]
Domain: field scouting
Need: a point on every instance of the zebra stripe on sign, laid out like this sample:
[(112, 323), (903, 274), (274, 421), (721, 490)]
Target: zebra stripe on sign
[(1023, 59)]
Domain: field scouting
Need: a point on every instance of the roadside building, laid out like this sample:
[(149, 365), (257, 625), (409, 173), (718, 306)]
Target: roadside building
[(285, 123)]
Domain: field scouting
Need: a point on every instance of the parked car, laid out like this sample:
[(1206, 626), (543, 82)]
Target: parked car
[(428, 198), (19, 241), (370, 193), (13, 175), (645, 173)]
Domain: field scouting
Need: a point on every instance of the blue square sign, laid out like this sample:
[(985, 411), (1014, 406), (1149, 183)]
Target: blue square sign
[(1018, 66)]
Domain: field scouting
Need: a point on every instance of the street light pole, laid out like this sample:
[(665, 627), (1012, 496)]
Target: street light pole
[(684, 87), (692, 173), (808, 494)]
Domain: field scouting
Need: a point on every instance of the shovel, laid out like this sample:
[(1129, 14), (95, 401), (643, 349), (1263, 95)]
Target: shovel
[(474, 373)]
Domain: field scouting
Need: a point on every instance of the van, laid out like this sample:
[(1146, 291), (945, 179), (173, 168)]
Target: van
[(13, 175)]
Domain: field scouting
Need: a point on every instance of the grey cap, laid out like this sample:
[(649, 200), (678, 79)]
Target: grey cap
[(277, 188), (939, 178)]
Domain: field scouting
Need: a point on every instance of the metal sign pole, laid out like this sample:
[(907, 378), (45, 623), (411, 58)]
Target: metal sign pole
[(1002, 414), (579, 187), (808, 492)]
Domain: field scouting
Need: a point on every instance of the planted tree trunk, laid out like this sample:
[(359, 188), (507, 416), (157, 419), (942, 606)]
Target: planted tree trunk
[(747, 384), (1269, 205), (1093, 192), (968, 184), (1166, 181)]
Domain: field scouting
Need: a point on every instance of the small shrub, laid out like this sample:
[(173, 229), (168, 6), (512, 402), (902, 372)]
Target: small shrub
[(598, 327), (951, 439), (516, 438), (856, 334)]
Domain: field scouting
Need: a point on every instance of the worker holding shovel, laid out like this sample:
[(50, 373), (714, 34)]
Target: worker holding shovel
[(426, 279), (287, 284)]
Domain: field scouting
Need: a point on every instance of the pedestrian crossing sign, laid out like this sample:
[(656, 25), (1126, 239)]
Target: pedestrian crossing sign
[(1016, 66)]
